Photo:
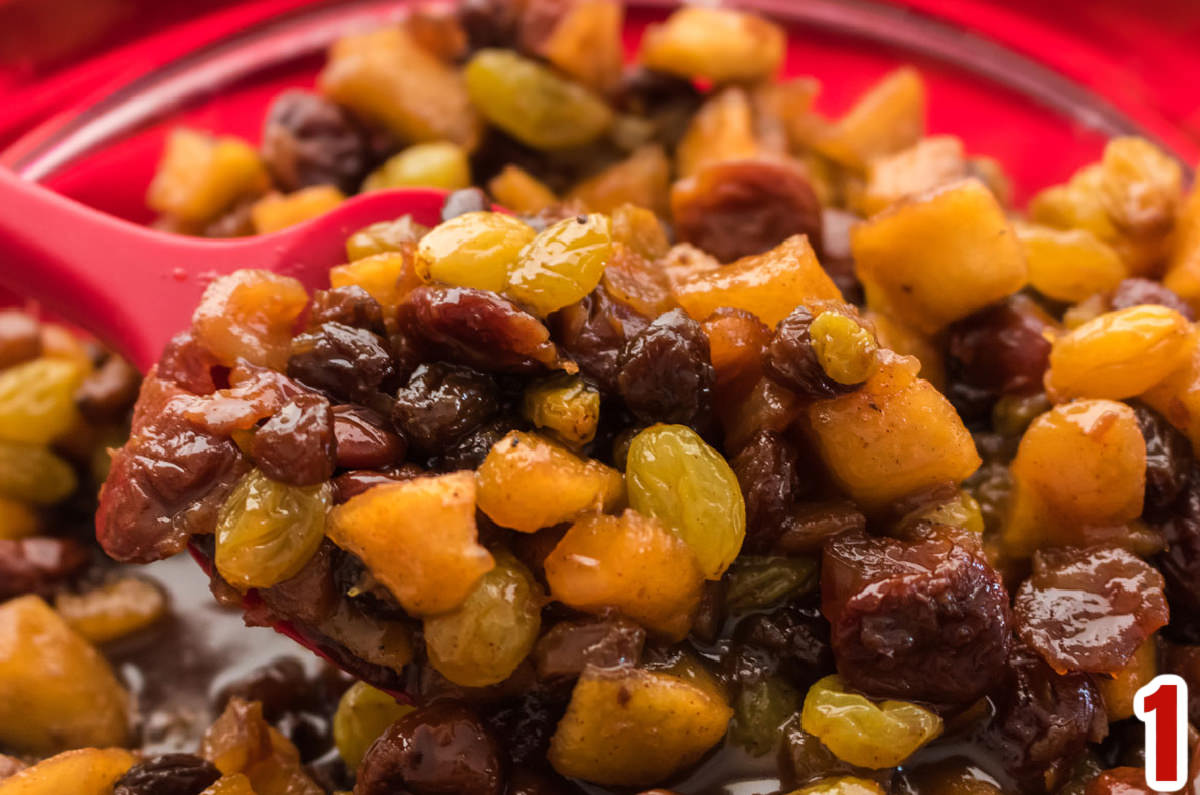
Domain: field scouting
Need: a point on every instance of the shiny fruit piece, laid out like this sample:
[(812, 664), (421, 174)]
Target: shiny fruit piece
[(388, 276), (277, 211), (200, 176), (37, 399), (863, 733), (721, 45), (562, 264), (363, 713), (476, 249), (889, 117), (565, 405), (87, 771), (114, 610), (437, 164), (249, 314), (1069, 264)]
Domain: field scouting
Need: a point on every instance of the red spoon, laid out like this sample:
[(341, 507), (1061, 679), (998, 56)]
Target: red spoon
[(134, 287)]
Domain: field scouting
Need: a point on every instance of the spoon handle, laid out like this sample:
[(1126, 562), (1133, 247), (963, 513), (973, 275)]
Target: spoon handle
[(130, 286)]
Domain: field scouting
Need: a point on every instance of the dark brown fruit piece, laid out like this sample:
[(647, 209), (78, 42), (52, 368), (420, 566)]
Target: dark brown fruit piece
[(1135, 292), (738, 208), (442, 403), (38, 564), (809, 526), (1180, 562), (477, 328), (296, 445), (469, 451), (169, 774), (766, 470), (350, 306), (20, 338), (792, 641), (791, 361), (1089, 609), (308, 140), (570, 646), (188, 364), (440, 749), (364, 440), (1042, 720), (666, 372), (107, 393), (923, 621), (355, 482), (347, 363), (1168, 461), (594, 331), (1001, 350)]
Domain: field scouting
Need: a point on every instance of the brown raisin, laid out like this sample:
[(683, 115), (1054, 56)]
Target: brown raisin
[(766, 470), (441, 403), (792, 641), (296, 445), (1137, 291), (1089, 609), (666, 101), (108, 392), (1168, 461), (570, 646), (350, 305), (791, 361), (364, 440), (308, 140), (190, 365), (925, 621), (477, 328), (488, 23), (809, 526), (439, 749), (1001, 350), (168, 774), (1180, 562), (311, 595), (469, 451), (594, 331), (738, 208), (38, 564), (666, 372), (348, 363), (351, 484), (20, 337), (1041, 721)]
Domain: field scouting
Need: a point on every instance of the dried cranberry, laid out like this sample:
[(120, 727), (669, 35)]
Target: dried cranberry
[(169, 774), (570, 646), (296, 446), (1135, 292), (1089, 609), (350, 306), (926, 621), (791, 361), (766, 470), (792, 641), (666, 372), (738, 208), (441, 403), (107, 393), (594, 331), (1168, 461), (20, 337), (1000, 350), (308, 140), (439, 749), (348, 363), (166, 483), (467, 200), (476, 328), (1042, 720), (363, 439), (37, 564), (1180, 562)]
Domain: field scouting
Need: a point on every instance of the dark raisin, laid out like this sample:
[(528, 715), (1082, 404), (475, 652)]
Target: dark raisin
[(108, 392), (1168, 461), (1184, 661), (739, 208), (350, 306), (666, 372), (710, 618), (20, 337), (1135, 292), (527, 723), (791, 361), (667, 101), (488, 23), (570, 646), (1042, 720), (476, 328), (467, 200), (165, 484), (804, 760), (296, 445), (189, 364), (1089, 609), (169, 774), (351, 484), (38, 564), (530, 781), (791, 641), (766, 470), (291, 701), (308, 140), (442, 403), (809, 526), (1180, 562), (1000, 350), (925, 621), (469, 451), (311, 595), (348, 363), (594, 331), (439, 749), (364, 440)]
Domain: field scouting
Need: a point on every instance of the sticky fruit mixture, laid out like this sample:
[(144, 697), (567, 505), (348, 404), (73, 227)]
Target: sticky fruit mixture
[(752, 445)]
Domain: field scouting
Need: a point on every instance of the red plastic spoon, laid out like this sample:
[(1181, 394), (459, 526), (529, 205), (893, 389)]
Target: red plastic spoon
[(134, 287)]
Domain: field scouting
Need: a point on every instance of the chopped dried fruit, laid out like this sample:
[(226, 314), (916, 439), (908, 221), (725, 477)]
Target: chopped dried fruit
[(862, 733), (437, 164), (473, 250), (363, 714)]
